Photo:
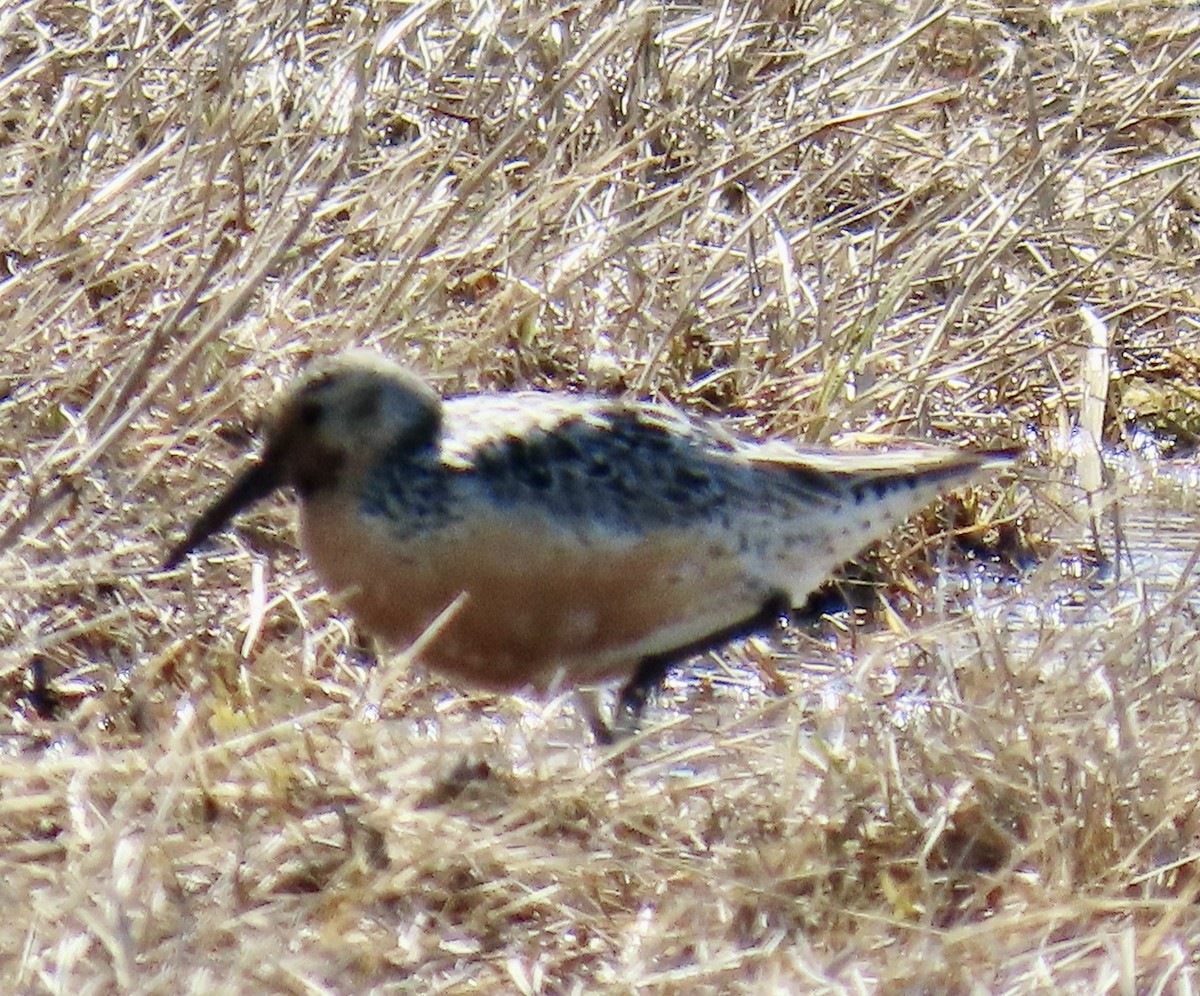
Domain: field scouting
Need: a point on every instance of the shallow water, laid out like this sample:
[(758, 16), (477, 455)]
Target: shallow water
[(1158, 518)]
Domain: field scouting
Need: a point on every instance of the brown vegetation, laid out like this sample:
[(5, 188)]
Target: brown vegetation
[(812, 218)]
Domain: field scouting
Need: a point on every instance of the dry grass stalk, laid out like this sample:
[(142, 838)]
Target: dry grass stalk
[(815, 218)]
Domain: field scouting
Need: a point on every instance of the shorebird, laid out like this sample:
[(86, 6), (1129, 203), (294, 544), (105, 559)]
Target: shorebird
[(587, 538)]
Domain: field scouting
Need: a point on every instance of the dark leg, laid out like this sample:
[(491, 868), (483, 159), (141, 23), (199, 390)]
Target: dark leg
[(652, 670)]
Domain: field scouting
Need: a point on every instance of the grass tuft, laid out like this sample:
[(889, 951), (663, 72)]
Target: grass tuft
[(822, 221)]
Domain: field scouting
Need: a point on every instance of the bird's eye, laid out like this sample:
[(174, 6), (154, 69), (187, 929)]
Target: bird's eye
[(309, 414)]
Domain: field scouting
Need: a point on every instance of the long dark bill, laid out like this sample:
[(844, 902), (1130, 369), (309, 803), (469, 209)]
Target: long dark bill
[(256, 482)]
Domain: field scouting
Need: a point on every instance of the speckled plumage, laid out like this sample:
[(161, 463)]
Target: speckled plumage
[(593, 538)]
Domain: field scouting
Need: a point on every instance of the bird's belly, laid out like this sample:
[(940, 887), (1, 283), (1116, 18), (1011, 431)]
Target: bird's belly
[(540, 603)]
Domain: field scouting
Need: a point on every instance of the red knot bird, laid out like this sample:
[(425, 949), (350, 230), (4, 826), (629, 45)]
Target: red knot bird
[(588, 538)]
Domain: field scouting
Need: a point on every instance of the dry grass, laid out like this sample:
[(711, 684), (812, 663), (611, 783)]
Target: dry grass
[(811, 217)]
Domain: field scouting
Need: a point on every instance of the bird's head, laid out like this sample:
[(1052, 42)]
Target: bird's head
[(339, 419)]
